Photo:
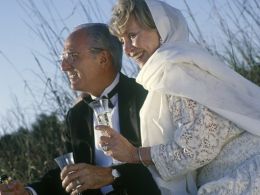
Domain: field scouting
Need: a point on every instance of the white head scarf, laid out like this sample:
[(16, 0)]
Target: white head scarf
[(183, 69), (169, 30)]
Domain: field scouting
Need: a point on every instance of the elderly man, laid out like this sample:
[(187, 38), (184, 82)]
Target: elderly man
[(92, 61)]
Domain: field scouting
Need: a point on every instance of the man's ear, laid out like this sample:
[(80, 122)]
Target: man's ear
[(104, 57)]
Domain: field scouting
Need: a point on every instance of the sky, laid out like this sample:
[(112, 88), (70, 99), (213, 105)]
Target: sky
[(18, 42)]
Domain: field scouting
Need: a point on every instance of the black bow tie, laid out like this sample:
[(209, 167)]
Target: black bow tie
[(111, 94)]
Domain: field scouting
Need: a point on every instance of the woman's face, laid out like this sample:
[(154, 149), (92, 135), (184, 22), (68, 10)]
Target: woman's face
[(139, 43)]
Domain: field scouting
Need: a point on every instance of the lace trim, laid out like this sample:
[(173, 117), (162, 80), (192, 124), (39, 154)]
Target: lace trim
[(198, 139), (243, 180)]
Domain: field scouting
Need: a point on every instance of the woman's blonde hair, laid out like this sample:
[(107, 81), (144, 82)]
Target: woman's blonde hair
[(122, 11)]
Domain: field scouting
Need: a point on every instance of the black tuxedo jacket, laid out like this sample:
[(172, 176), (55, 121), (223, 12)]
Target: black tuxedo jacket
[(135, 179)]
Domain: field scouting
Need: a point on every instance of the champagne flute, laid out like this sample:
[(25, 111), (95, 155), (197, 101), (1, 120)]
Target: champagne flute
[(102, 111), (66, 159), (103, 115)]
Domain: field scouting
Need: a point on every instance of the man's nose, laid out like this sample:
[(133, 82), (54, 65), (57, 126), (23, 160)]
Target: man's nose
[(65, 66)]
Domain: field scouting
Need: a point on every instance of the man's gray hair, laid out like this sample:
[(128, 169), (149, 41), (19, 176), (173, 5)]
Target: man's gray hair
[(102, 38)]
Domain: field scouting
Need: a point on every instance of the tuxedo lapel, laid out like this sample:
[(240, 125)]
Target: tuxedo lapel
[(90, 129), (128, 113), (82, 132), (89, 116)]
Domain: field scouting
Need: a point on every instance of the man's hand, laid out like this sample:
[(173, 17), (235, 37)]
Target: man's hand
[(13, 188), (80, 177)]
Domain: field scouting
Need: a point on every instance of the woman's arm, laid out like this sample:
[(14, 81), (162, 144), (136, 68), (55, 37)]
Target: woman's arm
[(198, 139)]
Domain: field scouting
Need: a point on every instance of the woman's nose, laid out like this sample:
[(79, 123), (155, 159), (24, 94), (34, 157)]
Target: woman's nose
[(128, 47)]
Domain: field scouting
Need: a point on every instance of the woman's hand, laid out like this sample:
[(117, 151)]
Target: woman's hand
[(117, 146)]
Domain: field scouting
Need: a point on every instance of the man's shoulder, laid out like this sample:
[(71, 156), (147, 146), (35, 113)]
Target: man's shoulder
[(130, 83), (79, 103), (130, 90)]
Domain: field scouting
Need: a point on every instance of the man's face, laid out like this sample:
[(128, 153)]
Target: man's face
[(81, 66)]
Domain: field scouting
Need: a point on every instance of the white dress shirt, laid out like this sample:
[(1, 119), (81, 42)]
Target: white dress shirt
[(100, 158)]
